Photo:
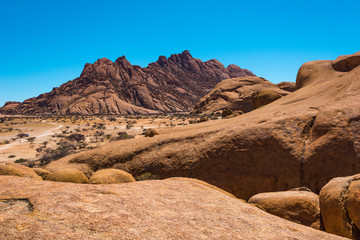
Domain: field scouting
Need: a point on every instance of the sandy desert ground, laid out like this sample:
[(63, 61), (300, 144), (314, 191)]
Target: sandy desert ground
[(21, 136)]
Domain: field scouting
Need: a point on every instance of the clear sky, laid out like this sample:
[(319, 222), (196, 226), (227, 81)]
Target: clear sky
[(46, 43)]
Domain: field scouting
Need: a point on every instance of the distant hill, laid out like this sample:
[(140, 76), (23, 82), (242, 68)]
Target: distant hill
[(173, 84)]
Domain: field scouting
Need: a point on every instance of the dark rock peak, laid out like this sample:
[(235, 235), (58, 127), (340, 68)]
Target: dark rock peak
[(123, 62), (162, 60)]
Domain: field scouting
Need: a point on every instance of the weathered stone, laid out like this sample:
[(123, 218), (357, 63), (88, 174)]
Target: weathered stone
[(111, 176), (339, 205), (157, 209), (67, 175)]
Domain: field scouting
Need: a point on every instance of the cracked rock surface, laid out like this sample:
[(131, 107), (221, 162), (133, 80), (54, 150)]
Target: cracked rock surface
[(175, 208), (340, 206)]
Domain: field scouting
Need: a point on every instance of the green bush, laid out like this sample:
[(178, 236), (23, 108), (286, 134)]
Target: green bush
[(20, 160)]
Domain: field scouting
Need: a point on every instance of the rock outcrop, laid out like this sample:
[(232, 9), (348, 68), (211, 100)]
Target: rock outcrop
[(67, 175), (296, 206), (167, 209), (111, 176), (235, 94), (105, 87), (14, 169), (340, 206)]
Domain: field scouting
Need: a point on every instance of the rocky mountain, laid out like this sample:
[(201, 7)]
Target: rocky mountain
[(171, 84), (302, 139)]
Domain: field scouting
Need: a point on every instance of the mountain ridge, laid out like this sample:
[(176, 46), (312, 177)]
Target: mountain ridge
[(171, 84)]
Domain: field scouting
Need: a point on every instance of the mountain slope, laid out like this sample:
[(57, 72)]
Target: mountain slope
[(105, 87)]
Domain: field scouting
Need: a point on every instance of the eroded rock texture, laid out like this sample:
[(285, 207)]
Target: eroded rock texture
[(158, 209)]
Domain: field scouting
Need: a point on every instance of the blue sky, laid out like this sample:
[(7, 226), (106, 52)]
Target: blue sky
[(46, 43)]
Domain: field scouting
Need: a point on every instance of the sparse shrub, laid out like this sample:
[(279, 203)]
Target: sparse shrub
[(146, 176), (20, 160), (22, 135), (11, 156), (76, 137), (122, 136)]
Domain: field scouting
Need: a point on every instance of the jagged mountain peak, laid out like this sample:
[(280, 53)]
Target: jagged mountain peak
[(172, 84)]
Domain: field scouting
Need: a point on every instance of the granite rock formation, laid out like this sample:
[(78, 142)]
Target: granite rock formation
[(105, 87), (303, 139), (235, 94)]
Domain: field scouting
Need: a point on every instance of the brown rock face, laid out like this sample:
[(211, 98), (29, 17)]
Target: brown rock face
[(264, 97), (235, 94), (296, 206), (105, 87), (340, 206), (167, 209)]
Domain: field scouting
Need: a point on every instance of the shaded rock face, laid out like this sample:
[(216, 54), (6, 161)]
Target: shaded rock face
[(287, 86), (340, 206), (105, 87), (235, 94), (296, 206), (303, 139), (167, 209), (264, 97)]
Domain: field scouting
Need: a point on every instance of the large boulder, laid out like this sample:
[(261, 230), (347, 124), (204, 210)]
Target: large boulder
[(302, 139), (296, 206), (158, 209), (237, 94), (67, 175), (15, 169), (111, 176), (340, 206)]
